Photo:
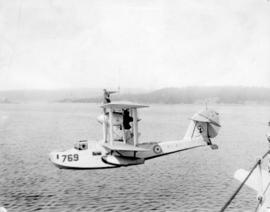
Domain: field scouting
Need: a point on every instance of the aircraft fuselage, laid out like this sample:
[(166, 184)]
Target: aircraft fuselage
[(97, 156)]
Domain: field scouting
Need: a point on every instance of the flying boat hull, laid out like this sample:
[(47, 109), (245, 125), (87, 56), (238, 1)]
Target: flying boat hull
[(105, 156), (77, 159)]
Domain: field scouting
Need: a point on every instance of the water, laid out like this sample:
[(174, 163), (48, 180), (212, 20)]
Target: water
[(196, 180)]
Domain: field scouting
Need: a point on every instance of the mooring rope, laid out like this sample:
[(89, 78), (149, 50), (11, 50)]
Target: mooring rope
[(242, 184)]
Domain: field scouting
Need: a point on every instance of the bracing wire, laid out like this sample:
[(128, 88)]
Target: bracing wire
[(242, 184)]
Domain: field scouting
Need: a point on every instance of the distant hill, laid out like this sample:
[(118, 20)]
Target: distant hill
[(62, 95), (46, 95), (5, 101), (236, 95)]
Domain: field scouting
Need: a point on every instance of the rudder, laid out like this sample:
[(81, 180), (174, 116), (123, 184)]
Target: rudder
[(204, 125)]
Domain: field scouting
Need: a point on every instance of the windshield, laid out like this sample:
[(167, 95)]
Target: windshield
[(81, 145)]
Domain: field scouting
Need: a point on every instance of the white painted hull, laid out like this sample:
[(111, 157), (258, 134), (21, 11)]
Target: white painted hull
[(86, 159)]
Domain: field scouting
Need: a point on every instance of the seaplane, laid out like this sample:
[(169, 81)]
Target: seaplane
[(120, 145)]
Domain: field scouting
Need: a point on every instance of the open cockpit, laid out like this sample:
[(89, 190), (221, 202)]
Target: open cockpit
[(81, 145)]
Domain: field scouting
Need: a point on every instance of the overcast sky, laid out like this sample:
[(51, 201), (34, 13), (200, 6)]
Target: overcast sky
[(54, 44)]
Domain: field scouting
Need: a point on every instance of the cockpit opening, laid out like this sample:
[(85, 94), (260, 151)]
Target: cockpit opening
[(81, 145)]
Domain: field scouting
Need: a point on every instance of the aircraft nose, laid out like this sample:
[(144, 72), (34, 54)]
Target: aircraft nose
[(101, 119)]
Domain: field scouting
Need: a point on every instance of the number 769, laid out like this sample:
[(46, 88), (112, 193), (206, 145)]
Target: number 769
[(70, 157)]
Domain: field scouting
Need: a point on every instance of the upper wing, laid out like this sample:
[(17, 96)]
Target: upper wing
[(122, 105)]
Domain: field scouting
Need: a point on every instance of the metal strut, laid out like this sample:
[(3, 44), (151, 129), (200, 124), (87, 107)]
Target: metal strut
[(242, 184)]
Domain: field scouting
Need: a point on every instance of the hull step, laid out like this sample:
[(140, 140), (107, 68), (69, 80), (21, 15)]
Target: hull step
[(122, 161)]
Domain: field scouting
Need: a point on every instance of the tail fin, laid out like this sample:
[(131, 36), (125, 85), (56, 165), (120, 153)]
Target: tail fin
[(204, 125)]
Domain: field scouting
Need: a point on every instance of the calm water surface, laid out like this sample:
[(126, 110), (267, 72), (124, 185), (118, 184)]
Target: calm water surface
[(196, 180)]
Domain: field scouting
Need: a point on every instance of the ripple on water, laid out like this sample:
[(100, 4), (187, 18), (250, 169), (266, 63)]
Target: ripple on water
[(197, 180)]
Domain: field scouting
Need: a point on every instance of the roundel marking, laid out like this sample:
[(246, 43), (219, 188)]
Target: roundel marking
[(200, 128), (157, 149)]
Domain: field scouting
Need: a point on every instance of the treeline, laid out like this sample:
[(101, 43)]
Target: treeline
[(188, 95)]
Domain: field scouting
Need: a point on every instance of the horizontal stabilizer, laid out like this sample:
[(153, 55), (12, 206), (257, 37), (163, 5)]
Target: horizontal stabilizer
[(254, 179), (209, 116), (204, 125)]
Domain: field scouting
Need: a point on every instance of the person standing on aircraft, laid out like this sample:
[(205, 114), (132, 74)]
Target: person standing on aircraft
[(126, 120), (126, 125), (106, 96)]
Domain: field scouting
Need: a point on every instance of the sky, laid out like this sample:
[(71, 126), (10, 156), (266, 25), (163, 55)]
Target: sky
[(146, 44)]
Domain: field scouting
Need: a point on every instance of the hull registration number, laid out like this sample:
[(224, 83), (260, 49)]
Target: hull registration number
[(70, 157)]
